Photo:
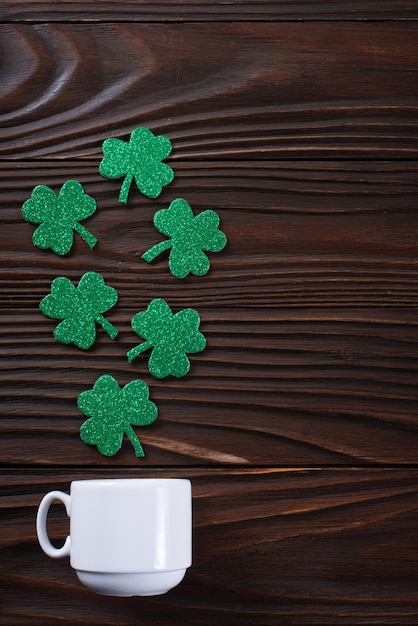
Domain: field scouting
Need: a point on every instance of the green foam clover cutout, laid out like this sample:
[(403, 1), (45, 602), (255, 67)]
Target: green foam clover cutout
[(59, 216), (140, 159), (171, 337), (113, 411), (80, 308), (190, 237)]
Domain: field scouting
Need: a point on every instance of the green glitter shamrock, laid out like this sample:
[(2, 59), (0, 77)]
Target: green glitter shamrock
[(112, 413), (189, 236), (140, 159), (59, 216), (80, 308), (170, 336)]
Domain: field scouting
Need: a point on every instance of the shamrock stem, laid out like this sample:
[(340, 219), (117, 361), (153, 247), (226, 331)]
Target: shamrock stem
[(106, 325), (134, 440), (124, 190), (85, 234), (153, 252), (137, 350)]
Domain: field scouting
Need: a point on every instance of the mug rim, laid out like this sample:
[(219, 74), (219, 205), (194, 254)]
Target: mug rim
[(145, 482)]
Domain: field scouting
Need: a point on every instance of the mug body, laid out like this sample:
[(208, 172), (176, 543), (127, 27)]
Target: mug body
[(127, 536), (130, 525)]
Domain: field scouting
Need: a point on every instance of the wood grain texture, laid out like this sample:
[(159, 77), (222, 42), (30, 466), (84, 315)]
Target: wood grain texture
[(298, 368), (298, 425), (261, 90), (270, 547), (299, 234), (276, 388), (211, 10)]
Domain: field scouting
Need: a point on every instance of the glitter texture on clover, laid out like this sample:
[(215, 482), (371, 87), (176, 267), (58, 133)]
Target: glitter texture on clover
[(190, 237), (140, 159), (59, 216), (80, 308), (169, 336), (113, 411)]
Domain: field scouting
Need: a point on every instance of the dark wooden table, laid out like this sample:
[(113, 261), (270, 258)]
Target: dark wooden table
[(298, 424)]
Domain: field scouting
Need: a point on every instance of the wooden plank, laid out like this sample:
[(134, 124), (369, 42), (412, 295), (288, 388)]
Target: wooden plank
[(262, 90), (276, 387), (300, 234), (212, 10), (306, 547), (305, 363)]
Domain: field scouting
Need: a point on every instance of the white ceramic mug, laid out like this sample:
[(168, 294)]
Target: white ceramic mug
[(128, 537)]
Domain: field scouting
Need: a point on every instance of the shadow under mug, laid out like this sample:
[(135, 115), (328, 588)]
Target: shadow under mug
[(128, 537)]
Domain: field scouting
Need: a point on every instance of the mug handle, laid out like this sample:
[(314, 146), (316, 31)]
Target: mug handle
[(41, 518)]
